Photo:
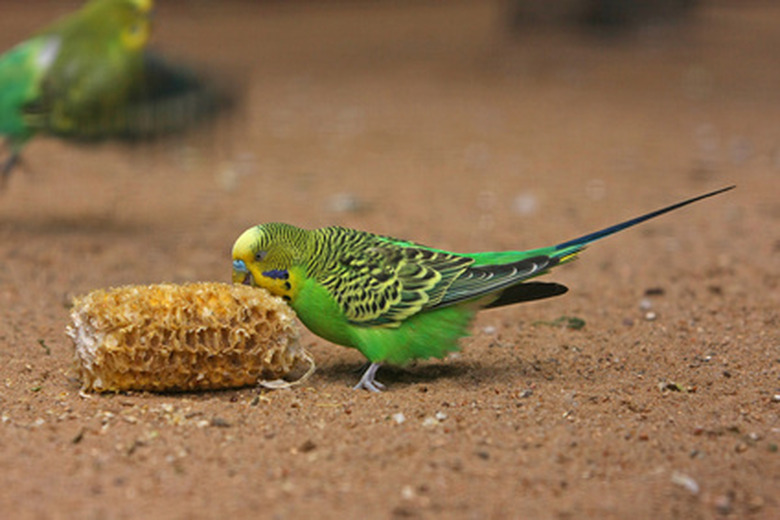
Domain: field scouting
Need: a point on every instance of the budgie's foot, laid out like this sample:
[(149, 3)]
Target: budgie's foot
[(367, 382)]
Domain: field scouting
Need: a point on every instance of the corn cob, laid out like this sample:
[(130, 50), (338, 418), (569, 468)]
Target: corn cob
[(197, 336)]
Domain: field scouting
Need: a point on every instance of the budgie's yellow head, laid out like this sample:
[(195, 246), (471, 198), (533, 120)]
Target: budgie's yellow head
[(264, 256)]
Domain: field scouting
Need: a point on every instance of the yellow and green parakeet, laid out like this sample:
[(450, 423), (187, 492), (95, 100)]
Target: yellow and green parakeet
[(90, 76), (392, 299)]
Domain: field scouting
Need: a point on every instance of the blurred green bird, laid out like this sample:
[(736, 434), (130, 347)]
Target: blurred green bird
[(90, 76), (392, 299)]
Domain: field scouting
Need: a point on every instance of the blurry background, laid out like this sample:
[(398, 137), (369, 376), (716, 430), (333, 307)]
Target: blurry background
[(467, 125)]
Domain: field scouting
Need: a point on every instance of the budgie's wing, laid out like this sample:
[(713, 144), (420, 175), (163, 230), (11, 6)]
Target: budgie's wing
[(116, 93), (85, 83), (387, 283), (481, 280)]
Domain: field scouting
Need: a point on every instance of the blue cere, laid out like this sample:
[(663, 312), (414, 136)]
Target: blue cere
[(240, 266)]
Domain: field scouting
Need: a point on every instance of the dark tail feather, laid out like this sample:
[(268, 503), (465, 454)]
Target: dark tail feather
[(592, 237), (174, 97), (526, 292)]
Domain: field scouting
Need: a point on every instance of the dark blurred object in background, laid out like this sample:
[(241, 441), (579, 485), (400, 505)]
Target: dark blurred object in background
[(604, 16)]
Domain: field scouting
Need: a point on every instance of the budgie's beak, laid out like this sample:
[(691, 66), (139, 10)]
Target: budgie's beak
[(241, 273)]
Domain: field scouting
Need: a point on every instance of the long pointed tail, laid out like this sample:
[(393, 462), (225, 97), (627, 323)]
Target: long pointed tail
[(566, 250)]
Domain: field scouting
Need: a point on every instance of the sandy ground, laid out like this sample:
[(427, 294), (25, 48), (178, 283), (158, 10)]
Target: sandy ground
[(432, 123)]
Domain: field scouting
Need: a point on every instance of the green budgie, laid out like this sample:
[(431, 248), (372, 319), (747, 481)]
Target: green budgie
[(91, 76), (396, 300)]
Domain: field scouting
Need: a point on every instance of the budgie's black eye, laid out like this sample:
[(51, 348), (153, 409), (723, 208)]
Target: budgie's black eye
[(260, 255)]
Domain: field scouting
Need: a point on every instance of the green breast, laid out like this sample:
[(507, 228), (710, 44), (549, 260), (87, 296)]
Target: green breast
[(322, 315)]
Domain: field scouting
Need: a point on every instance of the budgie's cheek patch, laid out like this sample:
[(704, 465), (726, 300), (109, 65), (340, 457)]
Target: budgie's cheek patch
[(278, 282), (278, 274), (282, 276)]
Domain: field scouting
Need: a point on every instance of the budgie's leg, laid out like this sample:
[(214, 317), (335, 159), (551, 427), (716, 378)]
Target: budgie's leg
[(8, 165), (367, 382)]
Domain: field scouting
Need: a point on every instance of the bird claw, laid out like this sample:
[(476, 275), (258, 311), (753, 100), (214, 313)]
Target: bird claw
[(371, 386), (367, 381)]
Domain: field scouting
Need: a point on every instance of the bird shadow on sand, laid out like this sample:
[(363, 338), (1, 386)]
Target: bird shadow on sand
[(424, 373), (85, 223)]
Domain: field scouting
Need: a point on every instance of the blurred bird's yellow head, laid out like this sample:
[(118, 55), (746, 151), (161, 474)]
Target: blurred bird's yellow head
[(144, 5), (266, 255), (131, 18)]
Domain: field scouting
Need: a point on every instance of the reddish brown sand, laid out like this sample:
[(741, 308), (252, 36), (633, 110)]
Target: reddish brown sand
[(429, 123)]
